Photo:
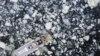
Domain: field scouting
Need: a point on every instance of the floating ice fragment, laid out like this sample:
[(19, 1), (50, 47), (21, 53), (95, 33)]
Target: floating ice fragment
[(53, 48), (98, 21), (48, 25), (12, 11), (93, 32), (54, 42), (53, 29), (1, 34), (92, 54), (62, 51), (64, 1), (74, 38), (14, 1), (93, 3), (55, 35), (2, 45), (86, 37), (98, 30), (64, 41), (27, 40), (26, 16), (9, 47), (69, 45), (89, 27), (24, 21), (11, 40), (34, 14), (66, 21), (7, 24), (81, 25), (49, 52), (65, 9), (80, 39), (94, 40), (37, 52)]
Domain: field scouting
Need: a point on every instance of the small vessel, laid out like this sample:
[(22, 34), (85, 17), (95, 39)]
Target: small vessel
[(32, 46)]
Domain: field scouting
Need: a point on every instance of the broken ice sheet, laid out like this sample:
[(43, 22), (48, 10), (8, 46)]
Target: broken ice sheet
[(22, 19)]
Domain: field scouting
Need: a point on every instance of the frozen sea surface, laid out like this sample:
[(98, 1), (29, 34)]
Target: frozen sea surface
[(74, 25)]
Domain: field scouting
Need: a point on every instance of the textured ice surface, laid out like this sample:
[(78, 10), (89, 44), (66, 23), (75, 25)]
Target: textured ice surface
[(73, 24)]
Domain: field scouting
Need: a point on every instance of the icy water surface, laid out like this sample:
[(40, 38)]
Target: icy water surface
[(74, 25)]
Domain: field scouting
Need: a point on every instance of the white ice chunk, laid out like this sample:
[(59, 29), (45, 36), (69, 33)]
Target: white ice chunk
[(49, 52), (14, 1), (66, 21), (34, 14), (81, 39), (2, 45), (99, 47), (92, 54), (9, 47), (24, 21), (54, 42), (1, 34), (98, 21), (27, 40), (26, 16), (11, 40), (74, 2), (81, 25), (7, 24), (48, 25), (64, 1), (93, 3), (62, 51), (55, 35), (94, 40), (93, 32), (98, 30), (53, 48), (64, 41), (12, 11), (65, 49), (53, 29), (65, 9), (37, 52), (74, 38), (86, 37), (89, 27)]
